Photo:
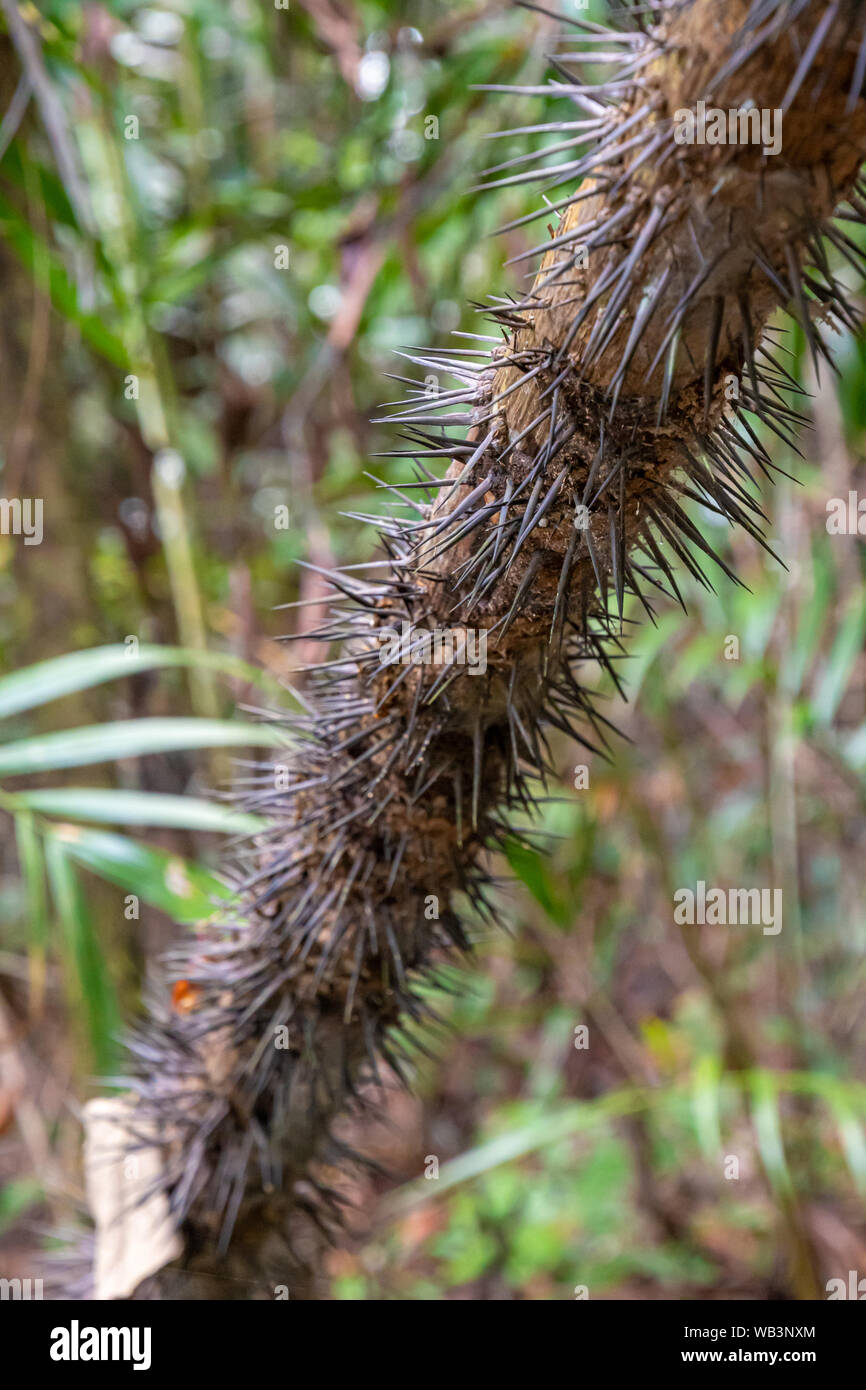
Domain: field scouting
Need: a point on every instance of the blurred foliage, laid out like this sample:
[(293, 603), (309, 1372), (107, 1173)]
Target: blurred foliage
[(48, 850), (217, 223)]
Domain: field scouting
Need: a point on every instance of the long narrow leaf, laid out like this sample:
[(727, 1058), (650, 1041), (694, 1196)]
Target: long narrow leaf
[(844, 654), (91, 995), (33, 873), (706, 1089), (851, 1134), (48, 680), (36, 254), (517, 1143), (139, 808), (768, 1129), (185, 890), (133, 738)]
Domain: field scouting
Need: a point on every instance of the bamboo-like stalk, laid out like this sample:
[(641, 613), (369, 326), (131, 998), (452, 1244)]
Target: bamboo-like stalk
[(154, 407)]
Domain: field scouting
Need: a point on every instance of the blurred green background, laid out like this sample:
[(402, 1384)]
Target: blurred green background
[(218, 221)]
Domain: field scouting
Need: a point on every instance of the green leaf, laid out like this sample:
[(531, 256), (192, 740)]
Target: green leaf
[(48, 680), (813, 616), (16, 1197), (768, 1129), (531, 869), (94, 999), (131, 738), (851, 1134), (183, 889), (139, 808), (40, 260), (33, 873), (844, 654), (650, 641), (706, 1084), (545, 1129)]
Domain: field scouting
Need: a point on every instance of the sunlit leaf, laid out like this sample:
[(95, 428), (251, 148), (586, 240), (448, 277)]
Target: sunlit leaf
[(139, 808), (706, 1090), (131, 738), (48, 680), (851, 1133), (768, 1128), (185, 890)]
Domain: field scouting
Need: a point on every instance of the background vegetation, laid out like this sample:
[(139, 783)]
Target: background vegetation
[(168, 384)]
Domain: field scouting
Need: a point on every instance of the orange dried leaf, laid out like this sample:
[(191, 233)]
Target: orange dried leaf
[(184, 996)]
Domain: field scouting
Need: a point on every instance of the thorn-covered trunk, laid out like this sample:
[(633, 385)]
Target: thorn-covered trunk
[(630, 382)]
